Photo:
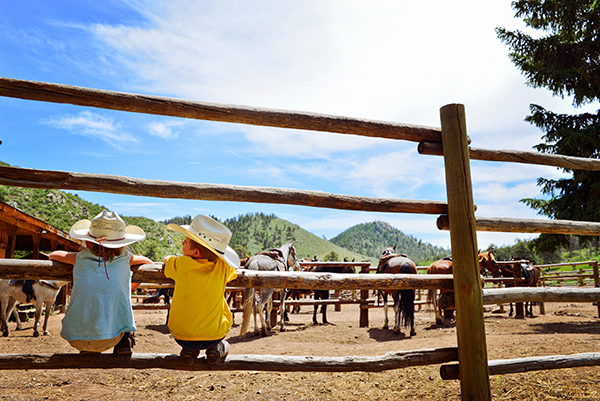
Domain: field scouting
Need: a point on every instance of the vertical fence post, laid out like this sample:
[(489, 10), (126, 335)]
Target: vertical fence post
[(364, 306), (541, 283), (470, 325), (596, 282)]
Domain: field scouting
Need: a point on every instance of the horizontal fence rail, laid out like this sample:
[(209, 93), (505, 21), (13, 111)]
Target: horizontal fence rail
[(517, 156), (45, 179), (529, 364), (505, 224), (539, 294), (137, 103), (267, 363), (588, 262), (50, 270)]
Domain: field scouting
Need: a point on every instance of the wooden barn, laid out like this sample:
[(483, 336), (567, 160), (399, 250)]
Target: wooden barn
[(22, 232)]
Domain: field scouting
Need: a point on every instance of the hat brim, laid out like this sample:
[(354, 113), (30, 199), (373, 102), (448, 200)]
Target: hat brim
[(133, 234), (229, 256)]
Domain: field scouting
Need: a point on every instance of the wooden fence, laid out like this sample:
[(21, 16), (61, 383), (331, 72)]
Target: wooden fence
[(457, 214)]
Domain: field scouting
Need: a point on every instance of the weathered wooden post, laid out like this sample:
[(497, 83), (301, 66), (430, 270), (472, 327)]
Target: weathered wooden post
[(541, 283), (596, 282), (470, 325), (364, 296)]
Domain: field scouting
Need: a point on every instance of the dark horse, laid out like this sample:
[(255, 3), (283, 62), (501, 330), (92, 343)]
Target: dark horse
[(444, 266), (155, 298), (520, 269), (324, 294), (404, 300)]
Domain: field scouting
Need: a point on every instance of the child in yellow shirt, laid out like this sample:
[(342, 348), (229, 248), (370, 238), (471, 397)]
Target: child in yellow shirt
[(200, 318)]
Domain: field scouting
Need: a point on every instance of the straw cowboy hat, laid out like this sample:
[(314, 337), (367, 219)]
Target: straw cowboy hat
[(107, 229), (211, 234)]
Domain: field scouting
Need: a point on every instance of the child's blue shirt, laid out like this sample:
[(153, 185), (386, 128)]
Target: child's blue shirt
[(99, 308)]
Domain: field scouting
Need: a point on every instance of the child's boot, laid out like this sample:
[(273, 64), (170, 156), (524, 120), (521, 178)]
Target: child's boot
[(218, 353), (125, 346), (188, 356)]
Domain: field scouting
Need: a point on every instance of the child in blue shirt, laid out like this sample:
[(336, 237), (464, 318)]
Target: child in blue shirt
[(99, 315)]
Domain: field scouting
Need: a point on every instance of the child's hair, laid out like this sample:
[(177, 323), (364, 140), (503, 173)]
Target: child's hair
[(109, 253), (203, 250)]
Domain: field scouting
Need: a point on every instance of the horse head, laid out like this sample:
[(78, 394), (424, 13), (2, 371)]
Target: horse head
[(390, 250), (488, 261), (289, 252)]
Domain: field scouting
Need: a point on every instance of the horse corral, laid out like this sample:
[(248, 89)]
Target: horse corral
[(457, 215), (572, 324)]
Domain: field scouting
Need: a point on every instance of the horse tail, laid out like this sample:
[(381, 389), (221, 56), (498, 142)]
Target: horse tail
[(249, 294), (408, 307), (432, 299)]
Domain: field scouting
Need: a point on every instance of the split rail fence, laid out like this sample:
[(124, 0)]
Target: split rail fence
[(456, 215)]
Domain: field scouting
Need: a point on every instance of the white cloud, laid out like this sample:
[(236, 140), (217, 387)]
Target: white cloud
[(383, 59), (164, 130), (93, 125)]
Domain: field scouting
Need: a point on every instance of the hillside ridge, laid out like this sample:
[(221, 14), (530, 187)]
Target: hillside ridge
[(251, 233)]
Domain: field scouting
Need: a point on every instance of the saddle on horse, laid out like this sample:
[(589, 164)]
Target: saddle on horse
[(530, 274), (277, 256)]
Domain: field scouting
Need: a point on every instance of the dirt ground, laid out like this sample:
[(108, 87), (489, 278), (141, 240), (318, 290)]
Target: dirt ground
[(564, 329)]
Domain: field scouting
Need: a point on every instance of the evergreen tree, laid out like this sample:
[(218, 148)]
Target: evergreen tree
[(565, 60)]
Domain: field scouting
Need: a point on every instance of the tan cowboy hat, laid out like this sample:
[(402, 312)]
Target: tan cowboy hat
[(107, 229), (211, 234)]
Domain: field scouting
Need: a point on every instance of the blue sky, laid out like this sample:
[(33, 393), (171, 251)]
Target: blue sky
[(384, 60)]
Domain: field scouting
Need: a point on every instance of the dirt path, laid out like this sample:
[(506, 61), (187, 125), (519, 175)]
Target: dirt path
[(565, 329)]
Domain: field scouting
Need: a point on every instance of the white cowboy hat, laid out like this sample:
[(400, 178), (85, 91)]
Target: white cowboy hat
[(211, 234), (107, 229)]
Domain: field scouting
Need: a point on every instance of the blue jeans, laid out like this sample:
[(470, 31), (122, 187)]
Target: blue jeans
[(198, 345)]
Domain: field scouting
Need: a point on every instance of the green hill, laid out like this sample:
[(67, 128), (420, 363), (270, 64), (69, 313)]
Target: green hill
[(256, 232), (62, 210), (371, 239), (252, 233)]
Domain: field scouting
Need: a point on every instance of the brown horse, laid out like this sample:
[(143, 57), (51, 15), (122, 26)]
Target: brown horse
[(444, 266), (404, 300), (519, 270)]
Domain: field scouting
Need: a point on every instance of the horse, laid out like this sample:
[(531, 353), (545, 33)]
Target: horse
[(281, 259), (44, 292), (404, 300), (441, 266), (518, 270), (444, 266), (324, 294)]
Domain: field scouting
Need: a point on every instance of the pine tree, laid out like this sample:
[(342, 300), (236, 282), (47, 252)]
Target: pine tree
[(566, 60)]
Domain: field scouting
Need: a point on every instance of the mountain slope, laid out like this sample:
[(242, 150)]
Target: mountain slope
[(252, 233), (257, 232), (373, 238), (62, 210)]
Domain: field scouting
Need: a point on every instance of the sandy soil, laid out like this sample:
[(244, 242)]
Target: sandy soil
[(564, 329)]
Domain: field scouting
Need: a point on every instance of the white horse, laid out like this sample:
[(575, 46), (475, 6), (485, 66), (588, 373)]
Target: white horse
[(282, 259), (45, 295)]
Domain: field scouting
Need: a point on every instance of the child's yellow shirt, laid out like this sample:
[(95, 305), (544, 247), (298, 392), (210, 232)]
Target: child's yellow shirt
[(199, 311)]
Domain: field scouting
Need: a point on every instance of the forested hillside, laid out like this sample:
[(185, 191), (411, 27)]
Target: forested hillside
[(256, 232), (62, 209), (371, 239)]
